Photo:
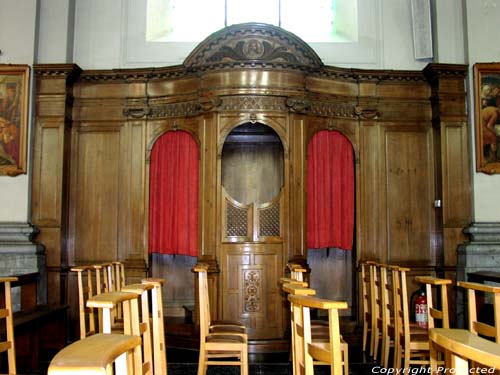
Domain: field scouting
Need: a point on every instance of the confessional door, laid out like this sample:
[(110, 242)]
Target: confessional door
[(252, 193)]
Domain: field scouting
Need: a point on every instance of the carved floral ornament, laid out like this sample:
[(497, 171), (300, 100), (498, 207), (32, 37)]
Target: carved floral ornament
[(302, 105)]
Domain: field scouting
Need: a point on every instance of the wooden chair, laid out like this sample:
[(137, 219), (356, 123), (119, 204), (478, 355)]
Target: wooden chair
[(298, 290), (387, 313), (367, 301), (104, 277), (296, 271), (413, 341), (142, 291), (106, 303), (95, 355), (433, 313), (86, 290), (462, 347), (118, 275), (379, 330), (306, 351), (475, 326), (6, 314), (159, 348), (375, 311), (220, 344), (118, 282)]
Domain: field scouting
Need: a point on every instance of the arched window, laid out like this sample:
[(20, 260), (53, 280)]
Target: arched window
[(173, 195)]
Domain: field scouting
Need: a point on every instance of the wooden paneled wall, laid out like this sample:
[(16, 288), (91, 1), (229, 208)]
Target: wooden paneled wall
[(95, 131)]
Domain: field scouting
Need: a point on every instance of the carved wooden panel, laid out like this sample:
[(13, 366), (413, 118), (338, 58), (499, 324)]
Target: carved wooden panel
[(251, 291)]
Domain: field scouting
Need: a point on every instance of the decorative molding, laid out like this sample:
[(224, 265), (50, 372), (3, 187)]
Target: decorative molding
[(303, 105), (331, 109), (70, 72), (434, 72), (299, 105), (137, 112), (253, 102), (366, 113), (191, 108), (254, 44)]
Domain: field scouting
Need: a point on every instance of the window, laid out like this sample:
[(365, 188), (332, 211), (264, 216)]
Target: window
[(165, 32), (315, 21)]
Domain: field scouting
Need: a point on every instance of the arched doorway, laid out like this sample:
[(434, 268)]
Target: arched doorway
[(173, 216), (331, 215), (252, 186)]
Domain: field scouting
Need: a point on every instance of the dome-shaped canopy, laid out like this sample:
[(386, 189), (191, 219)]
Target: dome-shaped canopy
[(254, 44)]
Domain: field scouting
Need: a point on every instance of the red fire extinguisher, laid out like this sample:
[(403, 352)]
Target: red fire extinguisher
[(421, 310)]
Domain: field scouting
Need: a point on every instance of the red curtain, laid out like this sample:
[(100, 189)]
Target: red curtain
[(173, 195), (330, 191)]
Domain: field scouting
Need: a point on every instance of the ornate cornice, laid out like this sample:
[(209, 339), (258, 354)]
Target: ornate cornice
[(70, 72), (255, 45), (434, 72)]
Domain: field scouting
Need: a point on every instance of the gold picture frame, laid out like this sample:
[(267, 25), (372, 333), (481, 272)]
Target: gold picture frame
[(487, 117), (14, 94)]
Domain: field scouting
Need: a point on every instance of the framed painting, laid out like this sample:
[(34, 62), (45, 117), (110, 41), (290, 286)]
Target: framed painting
[(14, 89), (487, 118)]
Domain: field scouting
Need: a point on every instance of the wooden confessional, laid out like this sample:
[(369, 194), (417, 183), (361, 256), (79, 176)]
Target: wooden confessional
[(249, 88)]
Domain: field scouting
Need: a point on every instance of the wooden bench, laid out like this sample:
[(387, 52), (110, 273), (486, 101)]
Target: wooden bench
[(40, 330)]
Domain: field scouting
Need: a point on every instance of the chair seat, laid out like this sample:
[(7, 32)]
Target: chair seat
[(227, 329), (237, 339)]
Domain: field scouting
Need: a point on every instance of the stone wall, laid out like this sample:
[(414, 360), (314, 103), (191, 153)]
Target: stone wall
[(19, 256)]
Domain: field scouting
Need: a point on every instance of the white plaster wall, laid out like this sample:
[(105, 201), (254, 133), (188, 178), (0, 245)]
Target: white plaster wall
[(108, 35), (17, 43), (55, 37), (98, 30), (482, 25)]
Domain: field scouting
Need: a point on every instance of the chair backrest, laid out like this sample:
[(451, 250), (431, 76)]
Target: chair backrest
[(297, 290), (401, 304), (433, 312), (475, 326), (305, 350), (6, 314), (296, 271), (86, 289), (374, 307), (159, 348), (365, 286), (143, 293), (203, 299), (118, 276), (104, 277)]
